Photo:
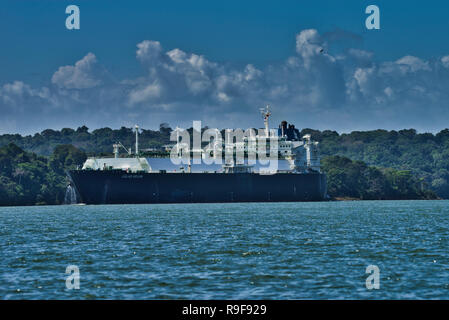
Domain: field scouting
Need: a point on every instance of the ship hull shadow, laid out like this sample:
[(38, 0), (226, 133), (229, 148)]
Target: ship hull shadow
[(119, 187)]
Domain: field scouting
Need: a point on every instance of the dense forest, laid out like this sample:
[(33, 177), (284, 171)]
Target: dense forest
[(425, 155), (355, 179), (29, 179), (96, 142), (377, 164)]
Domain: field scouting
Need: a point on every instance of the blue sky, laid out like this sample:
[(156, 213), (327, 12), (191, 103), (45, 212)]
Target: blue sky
[(231, 34)]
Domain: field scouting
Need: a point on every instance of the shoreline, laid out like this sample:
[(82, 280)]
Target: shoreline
[(358, 199)]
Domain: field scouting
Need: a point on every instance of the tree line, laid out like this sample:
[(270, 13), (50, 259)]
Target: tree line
[(356, 180)]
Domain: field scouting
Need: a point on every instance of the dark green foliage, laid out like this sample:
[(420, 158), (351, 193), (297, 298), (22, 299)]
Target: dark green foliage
[(28, 179), (355, 179), (66, 157), (96, 142), (423, 154)]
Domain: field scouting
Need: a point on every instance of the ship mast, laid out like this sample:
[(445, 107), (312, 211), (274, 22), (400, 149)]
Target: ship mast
[(116, 147), (137, 140), (266, 114), (178, 149)]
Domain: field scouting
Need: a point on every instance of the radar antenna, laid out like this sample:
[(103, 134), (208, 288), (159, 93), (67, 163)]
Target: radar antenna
[(117, 146)]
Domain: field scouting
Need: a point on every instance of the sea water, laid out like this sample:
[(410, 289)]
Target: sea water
[(315, 250)]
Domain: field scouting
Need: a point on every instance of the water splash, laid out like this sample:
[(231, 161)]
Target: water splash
[(70, 195)]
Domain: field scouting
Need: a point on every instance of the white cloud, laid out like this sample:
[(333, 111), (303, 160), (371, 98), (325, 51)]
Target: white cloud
[(146, 93), (388, 91), (360, 54), (412, 64), (80, 76), (17, 92), (149, 51), (445, 61), (309, 43)]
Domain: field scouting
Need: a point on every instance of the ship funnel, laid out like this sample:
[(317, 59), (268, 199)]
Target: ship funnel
[(283, 127)]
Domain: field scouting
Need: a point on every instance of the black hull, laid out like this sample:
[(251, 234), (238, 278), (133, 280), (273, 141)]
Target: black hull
[(119, 187)]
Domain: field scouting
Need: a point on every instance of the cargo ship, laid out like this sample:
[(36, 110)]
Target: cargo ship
[(133, 180)]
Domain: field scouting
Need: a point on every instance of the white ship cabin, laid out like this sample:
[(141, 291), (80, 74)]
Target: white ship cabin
[(125, 164), (284, 146), (129, 164)]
